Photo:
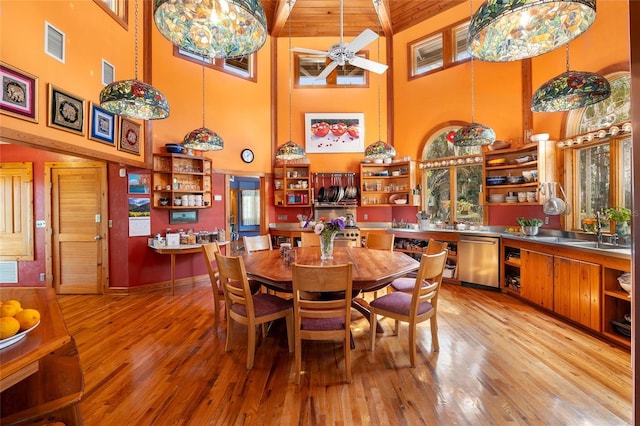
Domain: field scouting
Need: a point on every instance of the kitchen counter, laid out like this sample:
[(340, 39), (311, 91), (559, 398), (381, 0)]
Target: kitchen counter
[(574, 243)]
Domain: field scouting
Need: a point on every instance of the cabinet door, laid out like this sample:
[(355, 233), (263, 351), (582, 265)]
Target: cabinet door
[(536, 278), (576, 291)]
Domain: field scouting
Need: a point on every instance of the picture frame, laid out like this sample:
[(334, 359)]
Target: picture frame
[(139, 183), (327, 133), (102, 125), (139, 207), (66, 111), (129, 140), (19, 93), (177, 217)]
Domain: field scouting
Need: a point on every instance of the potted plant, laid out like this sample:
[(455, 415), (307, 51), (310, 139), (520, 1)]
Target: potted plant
[(530, 226), (621, 216)]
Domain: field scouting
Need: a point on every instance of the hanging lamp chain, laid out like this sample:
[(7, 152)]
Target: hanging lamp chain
[(379, 77), (472, 73), (289, 2), (203, 96), (136, 43), (567, 57)]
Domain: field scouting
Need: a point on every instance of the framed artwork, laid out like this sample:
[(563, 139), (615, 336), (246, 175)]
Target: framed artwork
[(102, 125), (139, 207), (19, 93), (66, 111), (183, 216), (139, 183), (129, 140), (334, 132)]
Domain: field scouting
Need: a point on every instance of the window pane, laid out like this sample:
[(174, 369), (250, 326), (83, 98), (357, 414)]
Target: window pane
[(240, 66), (427, 55), (460, 42), (626, 173), (438, 195), (592, 179), (468, 179), (310, 67)]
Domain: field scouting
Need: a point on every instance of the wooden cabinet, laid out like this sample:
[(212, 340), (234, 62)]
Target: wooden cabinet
[(388, 184), (292, 185), (576, 291), (536, 278), (516, 163), (616, 304), (178, 178)]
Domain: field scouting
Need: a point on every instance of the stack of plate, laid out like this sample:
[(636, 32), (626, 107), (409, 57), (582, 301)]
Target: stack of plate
[(497, 198), (511, 199)]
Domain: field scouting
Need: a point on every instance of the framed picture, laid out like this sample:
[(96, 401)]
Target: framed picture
[(139, 207), (129, 140), (183, 216), (66, 111), (334, 132), (19, 93), (102, 125), (139, 183)]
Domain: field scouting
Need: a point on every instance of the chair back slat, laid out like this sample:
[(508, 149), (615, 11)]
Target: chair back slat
[(379, 241), (257, 243), (309, 239)]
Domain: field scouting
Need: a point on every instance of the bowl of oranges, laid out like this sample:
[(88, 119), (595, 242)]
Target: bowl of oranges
[(16, 322)]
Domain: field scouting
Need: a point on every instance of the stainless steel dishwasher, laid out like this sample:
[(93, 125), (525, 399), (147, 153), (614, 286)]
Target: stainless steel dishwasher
[(478, 260)]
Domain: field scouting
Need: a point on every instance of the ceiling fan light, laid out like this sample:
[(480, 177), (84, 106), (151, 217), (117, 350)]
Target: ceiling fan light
[(290, 151), (134, 99), (203, 139), (570, 90), (510, 30), (474, 134), (380, 149), (213, 28)]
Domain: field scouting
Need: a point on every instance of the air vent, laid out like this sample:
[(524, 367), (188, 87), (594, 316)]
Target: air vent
[(54, 42), (9, 272), (108, 73)]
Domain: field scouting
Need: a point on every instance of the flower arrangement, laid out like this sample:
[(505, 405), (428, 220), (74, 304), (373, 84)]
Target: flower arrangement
[(327, 229)]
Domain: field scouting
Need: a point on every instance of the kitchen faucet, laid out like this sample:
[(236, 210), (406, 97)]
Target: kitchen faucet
[(598, 228)]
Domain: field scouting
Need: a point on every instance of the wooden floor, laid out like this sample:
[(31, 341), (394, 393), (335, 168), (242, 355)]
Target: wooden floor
[(154, 359)]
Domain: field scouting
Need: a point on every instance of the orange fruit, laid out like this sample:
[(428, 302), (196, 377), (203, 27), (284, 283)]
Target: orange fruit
[(9, 326), (7, 310), (14, 303), (27, 318)]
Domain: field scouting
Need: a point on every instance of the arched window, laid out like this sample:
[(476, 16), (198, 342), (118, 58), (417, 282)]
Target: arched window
[(597, 154), (451, 179)]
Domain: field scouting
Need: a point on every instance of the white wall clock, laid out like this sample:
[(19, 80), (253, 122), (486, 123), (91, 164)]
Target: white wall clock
[(247, 155)]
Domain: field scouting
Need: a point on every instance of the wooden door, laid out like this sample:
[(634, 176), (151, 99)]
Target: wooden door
[(536, 278), (77, 261), (577, 291)]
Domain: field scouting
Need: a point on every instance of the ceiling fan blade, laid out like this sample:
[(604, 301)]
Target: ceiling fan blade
[(325, 72), (311, 51), (364, 38), (368, 65)]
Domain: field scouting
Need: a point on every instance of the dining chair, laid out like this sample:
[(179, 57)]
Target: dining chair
[(379, 241), (309, 239), (322, 318), (257, 243), (406, 284), (415, 307), (209, 251), (244, 307)]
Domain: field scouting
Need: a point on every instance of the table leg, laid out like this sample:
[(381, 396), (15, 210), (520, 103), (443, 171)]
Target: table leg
[(173, 273)]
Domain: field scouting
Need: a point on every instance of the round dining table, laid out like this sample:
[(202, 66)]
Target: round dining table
[(372, 269)]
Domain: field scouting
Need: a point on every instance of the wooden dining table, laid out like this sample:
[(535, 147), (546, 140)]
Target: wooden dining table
[(372, 269)]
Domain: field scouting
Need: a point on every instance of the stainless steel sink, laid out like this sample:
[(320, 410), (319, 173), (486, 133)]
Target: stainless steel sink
[(596, 245)]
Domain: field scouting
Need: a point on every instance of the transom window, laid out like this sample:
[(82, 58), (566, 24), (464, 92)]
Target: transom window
[(243, 67), (308, 68), (452, 180), (117, 9), (440, 50)]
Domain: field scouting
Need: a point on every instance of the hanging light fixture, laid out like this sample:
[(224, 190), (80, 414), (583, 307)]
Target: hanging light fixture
[(510, 30), (203, 139), (473, 134), (380, 148), (134, 98), (214, 28), (290, 150), (570, 90)]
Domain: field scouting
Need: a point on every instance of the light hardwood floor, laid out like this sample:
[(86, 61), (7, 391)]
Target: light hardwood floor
[(157, 359)]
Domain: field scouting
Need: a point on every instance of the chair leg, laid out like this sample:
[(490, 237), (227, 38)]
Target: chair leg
[(412, 344), (373, 319), (434, 334), (396, 330), (347, 355), (251, 345), (227, 342), (289, 320), (298, 358)]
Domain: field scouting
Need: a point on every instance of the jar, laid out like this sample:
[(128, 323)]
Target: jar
[(283, 249)]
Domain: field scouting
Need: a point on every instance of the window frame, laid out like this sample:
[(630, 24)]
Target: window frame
[(120, 15), (332, 79), (448, 36), (220, 64)]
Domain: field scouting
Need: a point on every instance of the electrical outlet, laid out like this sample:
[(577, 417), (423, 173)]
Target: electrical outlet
[(42, 277), (282, 217), (41, 224), (546, 220), (365, 217)]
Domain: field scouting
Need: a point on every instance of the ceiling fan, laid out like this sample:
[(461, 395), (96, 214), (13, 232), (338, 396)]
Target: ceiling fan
[(341, 53)]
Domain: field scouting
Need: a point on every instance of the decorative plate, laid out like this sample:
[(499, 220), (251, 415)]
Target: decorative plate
[(16, 337)]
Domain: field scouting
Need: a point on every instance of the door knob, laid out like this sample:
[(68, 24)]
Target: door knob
[(97, 237)]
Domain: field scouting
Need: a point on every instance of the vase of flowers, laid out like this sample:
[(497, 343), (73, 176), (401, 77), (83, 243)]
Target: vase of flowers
[(327, 229)]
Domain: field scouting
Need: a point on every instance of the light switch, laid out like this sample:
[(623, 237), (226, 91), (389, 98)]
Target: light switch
[(217, 198), (41, 224)]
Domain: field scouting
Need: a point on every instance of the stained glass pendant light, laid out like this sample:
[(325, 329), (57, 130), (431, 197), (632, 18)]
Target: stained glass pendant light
[(213, 28), (290, 150), (510, 30), (570, 90), (134, 98), (203, 139), (473, 134)]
